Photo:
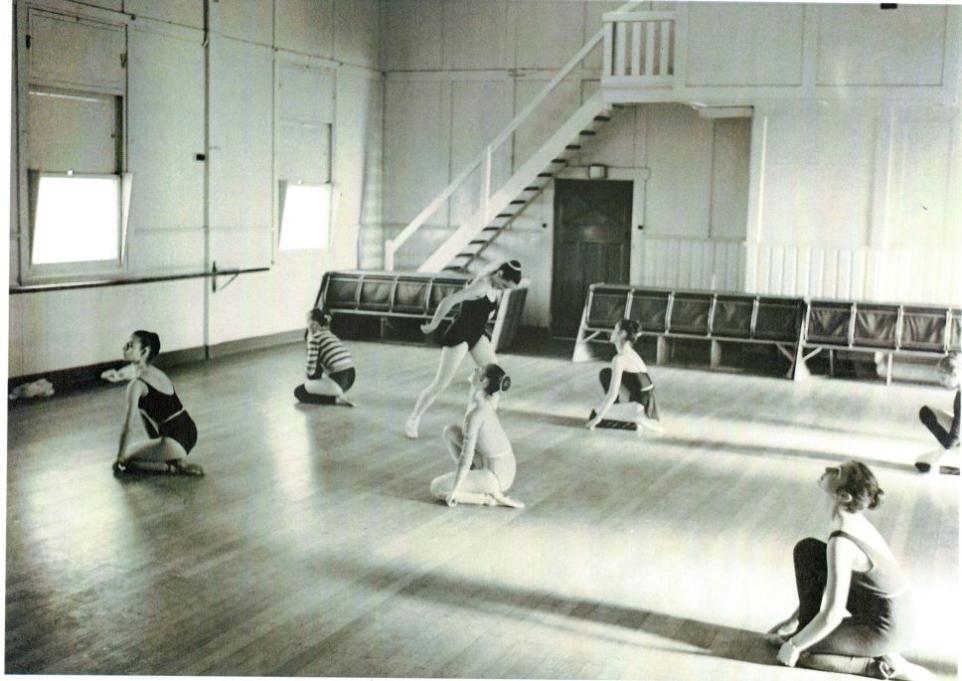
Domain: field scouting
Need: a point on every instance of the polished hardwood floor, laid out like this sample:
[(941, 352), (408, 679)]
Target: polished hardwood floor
[(312, 546)]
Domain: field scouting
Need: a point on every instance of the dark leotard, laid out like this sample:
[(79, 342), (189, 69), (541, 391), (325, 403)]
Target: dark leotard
[(165, 416), (878, 598), (468, 326)]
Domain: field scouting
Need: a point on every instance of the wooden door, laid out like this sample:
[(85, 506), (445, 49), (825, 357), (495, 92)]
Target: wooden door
[(592, 243)]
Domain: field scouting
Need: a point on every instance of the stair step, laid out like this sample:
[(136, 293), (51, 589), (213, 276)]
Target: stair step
[(572, 146), (602, 118), (532, 188), (587, 133), (478, 241), (518, 202), (545, 174), (504, 215), (617, 106), (559, 160), (492, 229)]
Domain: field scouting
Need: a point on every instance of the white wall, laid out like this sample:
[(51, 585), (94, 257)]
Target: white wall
[(858, 201), (336, 43)]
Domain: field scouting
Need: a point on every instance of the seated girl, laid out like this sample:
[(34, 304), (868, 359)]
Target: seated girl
[(629, 393), (854, 612), (330, 367), (485, 462), (943, 425), (171, 429)]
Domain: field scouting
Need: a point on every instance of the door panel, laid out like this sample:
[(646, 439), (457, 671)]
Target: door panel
[(592, 244)]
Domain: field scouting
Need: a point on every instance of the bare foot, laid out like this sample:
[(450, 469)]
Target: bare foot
[(411, 428), (344, 401), (505, 500)]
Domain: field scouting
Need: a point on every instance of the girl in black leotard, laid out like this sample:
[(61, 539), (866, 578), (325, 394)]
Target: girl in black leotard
[(171, 430), (466, 334), (626, 382), (855, 612)]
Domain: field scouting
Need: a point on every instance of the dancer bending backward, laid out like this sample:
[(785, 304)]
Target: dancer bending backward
[(943, 425), (466, 334), (330, 367), (854, 611), (171, 430), (485, 462), (627, 383)]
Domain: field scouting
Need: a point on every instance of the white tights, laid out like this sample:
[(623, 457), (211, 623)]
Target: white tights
[(482, 353)]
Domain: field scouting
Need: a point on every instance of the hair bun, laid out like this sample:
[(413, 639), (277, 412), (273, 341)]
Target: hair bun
[(505, 384)]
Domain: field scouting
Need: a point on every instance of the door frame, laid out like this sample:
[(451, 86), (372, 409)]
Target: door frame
[(639, 178)]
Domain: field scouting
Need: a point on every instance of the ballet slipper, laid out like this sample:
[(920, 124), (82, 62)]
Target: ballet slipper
[(345, 402), (929, 462), (894, 666), (177, 468), (505, 500)]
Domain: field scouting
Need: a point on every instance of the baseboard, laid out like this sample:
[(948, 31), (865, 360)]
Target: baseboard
[(76, 378), (256, 343)]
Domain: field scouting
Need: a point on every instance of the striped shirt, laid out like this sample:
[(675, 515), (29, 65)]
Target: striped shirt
[(326, 353)]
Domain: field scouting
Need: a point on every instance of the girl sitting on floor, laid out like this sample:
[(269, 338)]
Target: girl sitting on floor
[(480, 448), (629, 393), (854, 613), (330, 367), (171, 429)]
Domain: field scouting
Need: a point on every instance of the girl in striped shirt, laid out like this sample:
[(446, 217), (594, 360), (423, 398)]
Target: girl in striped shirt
[(330, 367)]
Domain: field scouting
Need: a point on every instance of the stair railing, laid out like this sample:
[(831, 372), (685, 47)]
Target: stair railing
[(638, 48), (486, 155)]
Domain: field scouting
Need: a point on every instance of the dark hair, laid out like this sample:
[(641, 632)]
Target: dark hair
[(149, 340), (510, 271), (861, 485), (498, 380), (320, 316), (631, 328)]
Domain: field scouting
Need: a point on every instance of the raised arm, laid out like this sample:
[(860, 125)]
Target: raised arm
[(617, 368), (842, 554), (472, 426), (134, 390)]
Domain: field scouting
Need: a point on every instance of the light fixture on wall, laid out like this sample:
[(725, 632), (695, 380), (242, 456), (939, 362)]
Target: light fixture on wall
[(596, 171)]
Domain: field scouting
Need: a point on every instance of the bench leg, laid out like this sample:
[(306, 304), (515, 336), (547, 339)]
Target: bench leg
[(661, 350), (716, 352)]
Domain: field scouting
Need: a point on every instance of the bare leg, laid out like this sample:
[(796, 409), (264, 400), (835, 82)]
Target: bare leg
[(453, 441), (450, 360), (480, 487)]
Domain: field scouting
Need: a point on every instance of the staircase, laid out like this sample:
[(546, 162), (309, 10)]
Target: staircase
[(463, 251), (635, 46)]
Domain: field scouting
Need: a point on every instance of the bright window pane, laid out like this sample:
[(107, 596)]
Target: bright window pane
[(306, 218), (78, 220)]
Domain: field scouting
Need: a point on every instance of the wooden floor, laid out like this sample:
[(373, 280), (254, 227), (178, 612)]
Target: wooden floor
[(312, 547)]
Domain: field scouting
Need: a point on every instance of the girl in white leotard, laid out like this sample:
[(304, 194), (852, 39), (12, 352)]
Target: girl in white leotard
[(485, 461)]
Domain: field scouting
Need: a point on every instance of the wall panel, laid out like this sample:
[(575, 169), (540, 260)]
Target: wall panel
[(168, 188), (356, 32), (475, 35), (910, 52), (411, 35), (184, 12), (250, 20), (305, 26), (545, 34), (415, 148)]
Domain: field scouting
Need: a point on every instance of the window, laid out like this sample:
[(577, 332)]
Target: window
[(78, 219), (305, 216)]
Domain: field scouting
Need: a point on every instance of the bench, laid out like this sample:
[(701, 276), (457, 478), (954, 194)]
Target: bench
[(414, 296), (887, 328), (707, 315)]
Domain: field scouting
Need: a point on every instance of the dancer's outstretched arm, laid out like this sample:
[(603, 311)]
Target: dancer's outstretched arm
[(617, 368), (472, 425), (841, 558)]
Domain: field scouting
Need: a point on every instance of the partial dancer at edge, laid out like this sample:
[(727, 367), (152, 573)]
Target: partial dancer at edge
[(943, 425), (171, 429), (626, 383), (480, 448), (330, 367), (855, 612), (466, 334)]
